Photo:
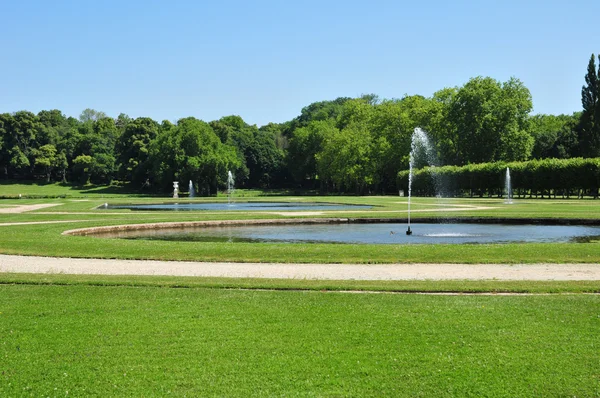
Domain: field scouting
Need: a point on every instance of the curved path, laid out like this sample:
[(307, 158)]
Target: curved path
[(542, 272)]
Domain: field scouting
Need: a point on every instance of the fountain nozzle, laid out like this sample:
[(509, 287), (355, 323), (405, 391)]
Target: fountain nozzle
[(408, 232)]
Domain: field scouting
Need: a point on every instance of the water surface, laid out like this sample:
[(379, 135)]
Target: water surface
[(376, 233)]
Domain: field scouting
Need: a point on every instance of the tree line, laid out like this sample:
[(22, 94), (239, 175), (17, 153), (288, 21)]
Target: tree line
[(351, 145)]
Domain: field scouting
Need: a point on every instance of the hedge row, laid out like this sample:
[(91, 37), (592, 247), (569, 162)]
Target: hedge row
[(546, 177)]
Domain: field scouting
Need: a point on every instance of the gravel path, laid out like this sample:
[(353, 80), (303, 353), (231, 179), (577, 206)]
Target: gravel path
[(12, 209), (542, 272)]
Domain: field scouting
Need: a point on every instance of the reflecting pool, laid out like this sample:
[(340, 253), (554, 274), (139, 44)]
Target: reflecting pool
[(370, 233)]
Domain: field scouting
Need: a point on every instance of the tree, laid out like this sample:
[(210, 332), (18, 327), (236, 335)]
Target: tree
[(349, 159), (46, 157), (264, 159), (192, 151), (490, 121), (82, 168), (393, 123), (132, 148), (554, 136), (92, 115), (589, 126), (4, 117), (21, 131), (322, 110), (304, 145), (233, 131), (96, 139)]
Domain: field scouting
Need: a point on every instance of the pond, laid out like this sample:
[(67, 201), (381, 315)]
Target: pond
[(370, 233), (241, 206)]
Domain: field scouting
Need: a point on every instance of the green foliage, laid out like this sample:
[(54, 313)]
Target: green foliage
[(132, 147), (345, 159), (46, 157), (91, 115), (589, 126), (565, 177), (304, 146), (259, 154), (192, 151), (490, 121), (554, 136), (484, 120)]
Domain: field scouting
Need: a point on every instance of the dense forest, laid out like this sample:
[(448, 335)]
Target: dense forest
[(351, 145)]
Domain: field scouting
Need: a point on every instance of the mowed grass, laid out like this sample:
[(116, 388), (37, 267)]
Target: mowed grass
[(150, 341), (390, 286)]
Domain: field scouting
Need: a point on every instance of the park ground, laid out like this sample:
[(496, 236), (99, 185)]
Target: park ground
[(64, 332)]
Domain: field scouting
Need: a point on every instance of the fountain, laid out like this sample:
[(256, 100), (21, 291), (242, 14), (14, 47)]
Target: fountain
[(175, 189), (410, 178), (191, 189), (360, 232), (230, 182), (508, 187), (419, 147)]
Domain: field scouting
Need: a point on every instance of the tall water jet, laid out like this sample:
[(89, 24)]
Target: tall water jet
[(420, 150), (191, 189), (230, 182), (508, 187), (410, 178)]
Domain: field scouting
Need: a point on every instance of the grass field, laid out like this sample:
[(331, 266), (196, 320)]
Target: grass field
[(67, 335), (147, 341)]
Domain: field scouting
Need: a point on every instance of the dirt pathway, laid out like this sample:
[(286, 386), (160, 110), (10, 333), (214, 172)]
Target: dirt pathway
[(14, 209), (542, 272)]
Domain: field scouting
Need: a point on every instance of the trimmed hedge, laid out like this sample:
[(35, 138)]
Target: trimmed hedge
[(545, 178)]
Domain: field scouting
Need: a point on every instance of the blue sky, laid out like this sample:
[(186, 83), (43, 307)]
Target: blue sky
[(265, 60)]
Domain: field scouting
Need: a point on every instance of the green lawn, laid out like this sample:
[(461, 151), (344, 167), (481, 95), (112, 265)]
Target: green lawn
[(391, 286), (149, 341)]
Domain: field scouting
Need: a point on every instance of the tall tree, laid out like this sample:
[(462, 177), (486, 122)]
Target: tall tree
[(304, 145), (132, 148), (91, 115), (589, 126), (490, 121), (192, 151)]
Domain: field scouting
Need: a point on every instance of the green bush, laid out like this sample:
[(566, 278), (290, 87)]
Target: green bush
[(545, 178)]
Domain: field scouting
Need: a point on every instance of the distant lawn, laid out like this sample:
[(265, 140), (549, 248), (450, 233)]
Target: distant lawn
[(107, 341), (39, 188), (42, 189)]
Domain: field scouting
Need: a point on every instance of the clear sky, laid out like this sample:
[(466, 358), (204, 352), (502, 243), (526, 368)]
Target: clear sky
[(266, 60)]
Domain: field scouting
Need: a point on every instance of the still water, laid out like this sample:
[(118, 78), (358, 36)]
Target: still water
[(376, 233)]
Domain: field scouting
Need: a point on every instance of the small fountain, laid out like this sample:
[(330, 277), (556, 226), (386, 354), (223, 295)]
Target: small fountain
[(230, 182), (419, 146), (175, 189), (191, 189), (508, 187)]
